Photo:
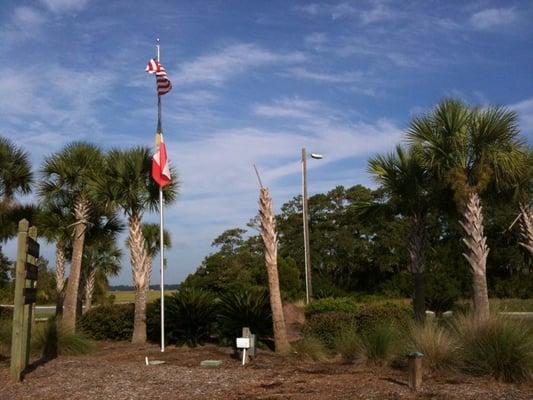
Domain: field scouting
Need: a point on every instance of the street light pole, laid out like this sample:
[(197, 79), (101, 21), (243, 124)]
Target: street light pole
[(305, 217)]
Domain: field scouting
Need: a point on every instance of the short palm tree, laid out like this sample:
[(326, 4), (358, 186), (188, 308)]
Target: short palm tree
[(470, 151), (408, 186), (71, 171), (127, 185), (151, 233)]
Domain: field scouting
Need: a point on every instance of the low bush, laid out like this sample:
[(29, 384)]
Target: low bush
[(51, 340), (6, 313), (189, 317), (310, 347), (380, 344), (439, 347), (499, 347), (332, 304), (348, 344), (242, 308), (113, 322), (326, 326)]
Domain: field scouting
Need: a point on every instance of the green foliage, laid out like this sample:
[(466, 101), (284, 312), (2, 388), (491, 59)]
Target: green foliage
[(332, 304), (51, 340), (499, 347), (380, 344), (249, 308), (310, 347), (189, 317), (348, 344), (326, 326), (6, 313), (108, 322), (439, 347)]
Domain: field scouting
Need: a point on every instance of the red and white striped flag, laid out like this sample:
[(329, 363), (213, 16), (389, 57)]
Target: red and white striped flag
[(163, 83), (160, 168)]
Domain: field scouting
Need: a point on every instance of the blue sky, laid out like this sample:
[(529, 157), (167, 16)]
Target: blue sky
[(254, 81)]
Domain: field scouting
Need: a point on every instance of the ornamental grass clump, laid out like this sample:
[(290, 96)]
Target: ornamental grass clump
[(348, 344), (380, 344), (499, 347), (51, 340), (439, 347), (311, 347)]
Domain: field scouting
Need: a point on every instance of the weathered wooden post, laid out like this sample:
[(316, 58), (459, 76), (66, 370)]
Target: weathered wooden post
[(415, 370), (25, 296)]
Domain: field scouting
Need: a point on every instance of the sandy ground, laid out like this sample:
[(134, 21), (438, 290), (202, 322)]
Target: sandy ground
[(118, 371)]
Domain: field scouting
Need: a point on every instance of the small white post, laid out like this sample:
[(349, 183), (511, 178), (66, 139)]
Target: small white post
[(243, 356)]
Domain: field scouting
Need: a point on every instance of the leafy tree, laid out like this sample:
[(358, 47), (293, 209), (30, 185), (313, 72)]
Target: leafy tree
[(15, 171), (471, 151), (69, 173)]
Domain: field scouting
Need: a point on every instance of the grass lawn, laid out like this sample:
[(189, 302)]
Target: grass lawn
[(128, 296)]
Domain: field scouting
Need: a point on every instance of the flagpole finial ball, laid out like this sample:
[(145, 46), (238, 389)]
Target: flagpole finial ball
[(157, 40)]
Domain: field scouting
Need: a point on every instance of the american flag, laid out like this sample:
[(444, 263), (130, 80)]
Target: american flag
[(163, 83)]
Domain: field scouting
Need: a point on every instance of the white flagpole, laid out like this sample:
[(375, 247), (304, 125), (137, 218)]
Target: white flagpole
[(161, 246)]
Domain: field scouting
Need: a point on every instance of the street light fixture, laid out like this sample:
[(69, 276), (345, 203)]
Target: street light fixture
[(305, 217)]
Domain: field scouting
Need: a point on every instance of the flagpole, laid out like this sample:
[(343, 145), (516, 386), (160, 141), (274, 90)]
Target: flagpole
[(161, 246)]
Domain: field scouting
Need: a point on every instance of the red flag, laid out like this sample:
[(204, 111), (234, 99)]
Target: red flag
[(160, 168)]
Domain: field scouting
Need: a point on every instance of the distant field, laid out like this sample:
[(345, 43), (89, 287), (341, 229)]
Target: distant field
[(128, 296)]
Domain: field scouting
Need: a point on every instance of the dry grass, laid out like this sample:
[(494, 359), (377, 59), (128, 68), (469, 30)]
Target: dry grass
[(439, 347)]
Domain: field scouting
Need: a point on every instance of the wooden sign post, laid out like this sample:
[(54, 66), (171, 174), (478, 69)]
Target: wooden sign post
[(25, 296)]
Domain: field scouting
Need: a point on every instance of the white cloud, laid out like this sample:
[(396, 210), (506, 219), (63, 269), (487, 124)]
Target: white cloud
[(230, 61), (493, 18), (303, 73), (375, 12), (59, 6), (525, 114)]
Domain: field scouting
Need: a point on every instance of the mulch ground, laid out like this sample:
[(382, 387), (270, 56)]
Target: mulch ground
[(118, 371)]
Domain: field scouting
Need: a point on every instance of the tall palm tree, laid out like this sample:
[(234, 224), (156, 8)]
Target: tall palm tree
[(470, 151), (407, 183), (127, 184), (151, 235), (71, 171), (270, 240)]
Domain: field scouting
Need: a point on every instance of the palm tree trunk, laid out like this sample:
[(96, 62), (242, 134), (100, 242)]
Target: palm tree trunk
[(89, 290), (526, 227), (269, 235), (476, 255), (138, 256), (60, 276), (416, 249), (81, 211)]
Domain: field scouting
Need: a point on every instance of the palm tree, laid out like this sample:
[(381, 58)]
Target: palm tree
[(53, 222), (127, 184), (470, 151), (101, 259), (526, 227), (151, 235), (407, 183), (15, 178), (15, 171), (71, 171), (269, 235)]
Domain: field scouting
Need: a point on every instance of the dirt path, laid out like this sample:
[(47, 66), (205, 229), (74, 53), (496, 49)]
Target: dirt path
[(118, 371)]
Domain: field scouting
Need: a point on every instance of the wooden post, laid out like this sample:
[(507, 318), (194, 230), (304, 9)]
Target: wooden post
[(25, 276), (415, 370), (246, 333)]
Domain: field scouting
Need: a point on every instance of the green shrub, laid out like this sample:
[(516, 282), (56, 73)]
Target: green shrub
[(332, 304), (436, 343), (189, 317), (380, 344), (310, 347), (328, 325), (249, 308), (113, 322), (51, 340), (348, 344), (499, 347), (371, 315)]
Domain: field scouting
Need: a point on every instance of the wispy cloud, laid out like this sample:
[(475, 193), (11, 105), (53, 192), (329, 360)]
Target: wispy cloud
[(230, 61), (345, 77), (493, 18), (59, 6), (365, 13), (525, 113)]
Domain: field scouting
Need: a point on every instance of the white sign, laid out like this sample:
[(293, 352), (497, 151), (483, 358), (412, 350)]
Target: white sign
[(243, 343)]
